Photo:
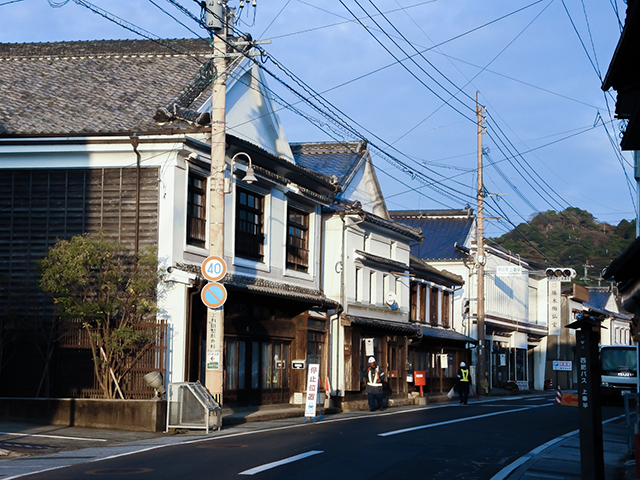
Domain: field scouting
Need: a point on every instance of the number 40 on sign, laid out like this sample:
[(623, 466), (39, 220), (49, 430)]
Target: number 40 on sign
[(214, 268)]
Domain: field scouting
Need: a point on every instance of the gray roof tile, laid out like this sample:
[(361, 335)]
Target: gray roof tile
[(95, 87), (330, 158), (440, 233)]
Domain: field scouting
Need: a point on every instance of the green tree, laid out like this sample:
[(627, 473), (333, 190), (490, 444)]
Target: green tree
[(112, 293)]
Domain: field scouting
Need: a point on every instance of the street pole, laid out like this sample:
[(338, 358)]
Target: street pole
[(590, 409), (480, 259), (215, 317)]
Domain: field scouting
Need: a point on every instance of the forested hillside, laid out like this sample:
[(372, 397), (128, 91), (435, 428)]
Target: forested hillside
[(571, 238)]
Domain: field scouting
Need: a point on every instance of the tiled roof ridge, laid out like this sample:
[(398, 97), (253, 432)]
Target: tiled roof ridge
[(459, 213), (311, 148), (101, 49)]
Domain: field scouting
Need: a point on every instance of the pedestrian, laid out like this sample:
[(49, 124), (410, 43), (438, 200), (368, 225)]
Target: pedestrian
[(374, 376), (463, 383)]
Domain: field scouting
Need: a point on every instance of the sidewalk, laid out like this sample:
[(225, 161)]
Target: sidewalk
[(560, 458)]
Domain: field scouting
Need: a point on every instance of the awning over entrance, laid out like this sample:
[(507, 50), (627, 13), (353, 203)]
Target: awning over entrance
[(444, 334), (399, 327)]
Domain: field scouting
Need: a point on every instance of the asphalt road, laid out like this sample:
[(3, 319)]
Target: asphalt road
[(437, 442)]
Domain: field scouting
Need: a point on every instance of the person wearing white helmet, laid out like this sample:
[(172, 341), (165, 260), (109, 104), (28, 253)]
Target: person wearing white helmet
[(464, 380), (373, 377)]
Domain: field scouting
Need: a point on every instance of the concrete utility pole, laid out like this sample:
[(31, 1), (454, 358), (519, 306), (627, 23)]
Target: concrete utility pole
[(480, 258), (636, 169), (217, 21)]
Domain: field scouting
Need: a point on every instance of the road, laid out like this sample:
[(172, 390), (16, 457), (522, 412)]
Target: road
[(437, 442)]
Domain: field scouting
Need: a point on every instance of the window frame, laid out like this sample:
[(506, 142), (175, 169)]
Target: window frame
[(295, 254), (196, 228), (253, 249)]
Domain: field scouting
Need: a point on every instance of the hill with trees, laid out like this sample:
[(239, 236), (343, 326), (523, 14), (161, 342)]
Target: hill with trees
[(571, 238)]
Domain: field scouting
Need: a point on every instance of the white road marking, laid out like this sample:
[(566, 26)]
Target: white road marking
[(53, 436), (268, 466), (253, 432), (457, 420)]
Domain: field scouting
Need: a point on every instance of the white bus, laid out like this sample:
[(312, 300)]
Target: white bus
[(618, 369)]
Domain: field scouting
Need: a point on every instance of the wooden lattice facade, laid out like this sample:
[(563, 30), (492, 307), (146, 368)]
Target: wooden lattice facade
[(38, 207)]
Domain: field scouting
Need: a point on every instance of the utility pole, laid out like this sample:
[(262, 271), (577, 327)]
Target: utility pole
[(586, 267), (217, 17), (480, 258)]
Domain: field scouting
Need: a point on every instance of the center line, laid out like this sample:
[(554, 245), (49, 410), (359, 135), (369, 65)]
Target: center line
[(268, 466), (448, 422)]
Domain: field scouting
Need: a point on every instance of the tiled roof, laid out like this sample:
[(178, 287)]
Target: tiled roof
[(265, 287), (444, 334), (440, 233), (369, 257), (425, 271), (390, 325), (330, 158), (98, 87), (599, 298)]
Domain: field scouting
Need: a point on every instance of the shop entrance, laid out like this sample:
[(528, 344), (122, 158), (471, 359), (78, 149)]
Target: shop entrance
[(257, 371)]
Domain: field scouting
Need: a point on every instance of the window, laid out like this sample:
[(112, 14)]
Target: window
[(422, 302), (433, 306), (413, 302), (249, 225), (446, 300), (372, 288), (358, 284), (297, 240), (196, 211)]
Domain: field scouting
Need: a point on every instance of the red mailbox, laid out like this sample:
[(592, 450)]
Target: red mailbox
[(420, 379)]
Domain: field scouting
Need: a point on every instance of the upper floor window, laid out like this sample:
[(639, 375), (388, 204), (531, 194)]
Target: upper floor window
[(249, 225), (433, 306), (446, 303), (297, 240), (196, 211)]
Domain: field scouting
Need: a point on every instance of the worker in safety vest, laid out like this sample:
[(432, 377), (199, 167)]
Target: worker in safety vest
[(464, 381), (373, 377)]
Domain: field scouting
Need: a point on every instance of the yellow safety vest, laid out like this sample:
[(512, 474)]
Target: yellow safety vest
[(465, 374)]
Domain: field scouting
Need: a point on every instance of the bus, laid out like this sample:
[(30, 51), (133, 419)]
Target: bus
[(618, 369)]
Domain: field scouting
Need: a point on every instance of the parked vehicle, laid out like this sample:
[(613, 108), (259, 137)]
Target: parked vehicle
[(618, 369)]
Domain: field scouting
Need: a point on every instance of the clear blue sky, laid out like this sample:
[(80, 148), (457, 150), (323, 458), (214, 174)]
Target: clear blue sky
[(538, 67)]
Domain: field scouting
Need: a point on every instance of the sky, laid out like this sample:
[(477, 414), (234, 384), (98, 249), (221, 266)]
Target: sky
[(404, 75)]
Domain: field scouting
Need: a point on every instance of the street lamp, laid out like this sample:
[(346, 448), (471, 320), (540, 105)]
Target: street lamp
[(249, 176)]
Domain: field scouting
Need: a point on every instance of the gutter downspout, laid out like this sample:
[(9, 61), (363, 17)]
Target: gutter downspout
[(338, 329), (135, 141)]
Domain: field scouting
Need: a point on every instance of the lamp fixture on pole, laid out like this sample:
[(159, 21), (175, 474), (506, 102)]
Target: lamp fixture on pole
[(249, 176)]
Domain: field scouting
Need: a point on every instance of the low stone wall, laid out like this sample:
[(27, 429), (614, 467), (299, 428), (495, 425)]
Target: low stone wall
[(134, 415)]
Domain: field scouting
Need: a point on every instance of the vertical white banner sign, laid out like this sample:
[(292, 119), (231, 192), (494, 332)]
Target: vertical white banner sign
[(312, 390), (553, 300)]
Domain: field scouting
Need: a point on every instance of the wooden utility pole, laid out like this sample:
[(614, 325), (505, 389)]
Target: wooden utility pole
[(480, 257), (215, 317)]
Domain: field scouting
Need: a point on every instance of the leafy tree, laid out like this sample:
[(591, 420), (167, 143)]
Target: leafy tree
[(571, 238), (112, 293)]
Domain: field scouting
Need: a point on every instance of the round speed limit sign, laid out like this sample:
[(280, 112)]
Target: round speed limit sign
[(214, 268)]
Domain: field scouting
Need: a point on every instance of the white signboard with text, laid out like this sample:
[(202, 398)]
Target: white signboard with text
[(509, 271), (562, 365), (554, 299), (312, 390)]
